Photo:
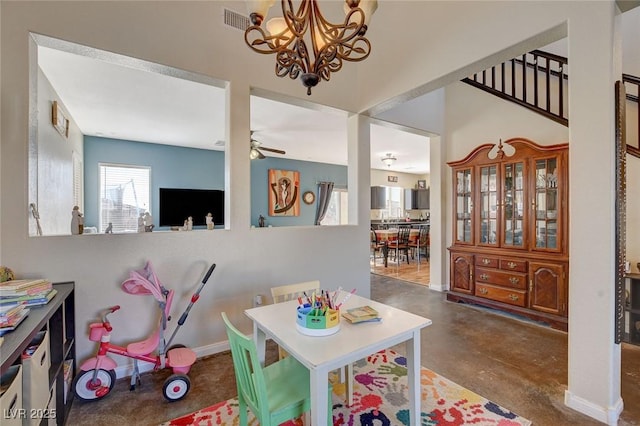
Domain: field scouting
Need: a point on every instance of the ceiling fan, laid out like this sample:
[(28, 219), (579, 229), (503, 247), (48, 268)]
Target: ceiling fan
[(256, 148)]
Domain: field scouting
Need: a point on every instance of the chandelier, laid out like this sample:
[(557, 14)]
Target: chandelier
[(305, 43), (388, 160)]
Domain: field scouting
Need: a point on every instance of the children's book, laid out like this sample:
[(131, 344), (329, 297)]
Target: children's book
[(360, 314)]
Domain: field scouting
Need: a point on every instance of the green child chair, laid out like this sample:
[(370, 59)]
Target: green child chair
[(275, 393)]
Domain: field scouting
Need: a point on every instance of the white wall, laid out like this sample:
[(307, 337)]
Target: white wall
[(55, 164), (461, 36), (250, 261)]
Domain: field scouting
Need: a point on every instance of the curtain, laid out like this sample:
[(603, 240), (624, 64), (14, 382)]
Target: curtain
[(324, 197)]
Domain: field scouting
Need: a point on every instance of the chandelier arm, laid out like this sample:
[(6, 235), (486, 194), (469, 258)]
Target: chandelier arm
[(331, 44)]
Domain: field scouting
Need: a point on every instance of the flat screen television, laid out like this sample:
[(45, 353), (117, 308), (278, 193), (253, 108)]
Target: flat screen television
[(177, 204)]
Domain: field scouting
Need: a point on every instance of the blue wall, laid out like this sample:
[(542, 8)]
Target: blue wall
[(310, 174), (171, 167), (175, 167)]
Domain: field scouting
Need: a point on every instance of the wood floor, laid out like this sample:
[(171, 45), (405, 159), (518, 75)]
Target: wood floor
[(414, 272)]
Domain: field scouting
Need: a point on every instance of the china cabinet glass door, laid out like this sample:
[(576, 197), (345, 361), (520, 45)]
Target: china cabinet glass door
[(513, 206), (546, 204), (463, 206), (488, 228)]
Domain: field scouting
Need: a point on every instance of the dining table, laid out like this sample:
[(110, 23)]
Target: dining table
[(348, 344), (386, 236)]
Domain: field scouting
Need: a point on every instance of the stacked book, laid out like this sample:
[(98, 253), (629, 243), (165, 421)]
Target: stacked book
[(26, 292), (361, 314), (10, 317)]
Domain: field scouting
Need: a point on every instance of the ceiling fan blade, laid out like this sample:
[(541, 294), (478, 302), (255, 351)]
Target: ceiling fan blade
[(277, 151)]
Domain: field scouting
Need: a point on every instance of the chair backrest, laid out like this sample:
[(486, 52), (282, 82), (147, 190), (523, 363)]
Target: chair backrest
[(403, 235), (248, 371), (423, 236), (284, 293), (375, 240)]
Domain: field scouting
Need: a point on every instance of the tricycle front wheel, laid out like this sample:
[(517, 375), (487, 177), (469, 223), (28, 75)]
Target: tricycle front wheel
[(176, 387), (88, 390)]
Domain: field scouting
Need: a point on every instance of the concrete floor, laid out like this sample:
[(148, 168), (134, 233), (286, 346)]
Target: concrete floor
[(517, 364)]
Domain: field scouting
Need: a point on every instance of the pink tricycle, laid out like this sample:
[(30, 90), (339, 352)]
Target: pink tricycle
[(97, 376)]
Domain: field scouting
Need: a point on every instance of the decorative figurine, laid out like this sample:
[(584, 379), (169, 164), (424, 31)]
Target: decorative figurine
[(190, 224), (148, 222), (209, 220), (80, 223), (141, 222), (77, 223), (109, 229), (261, 221)]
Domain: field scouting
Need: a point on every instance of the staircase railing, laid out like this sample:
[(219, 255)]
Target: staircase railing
[(536, 80), (632, 88)]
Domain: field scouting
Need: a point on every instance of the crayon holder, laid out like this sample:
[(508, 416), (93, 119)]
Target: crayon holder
[(312, 323)]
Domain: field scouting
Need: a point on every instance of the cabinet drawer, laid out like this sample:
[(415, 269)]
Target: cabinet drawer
[(513, 265), (486, 261), (506, 295), (502, 278)]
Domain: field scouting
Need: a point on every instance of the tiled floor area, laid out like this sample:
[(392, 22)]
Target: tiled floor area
[(517, 364)]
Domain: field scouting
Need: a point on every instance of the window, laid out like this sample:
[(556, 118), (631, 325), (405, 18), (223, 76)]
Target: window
[(395, 203), (338, 210), (124, 196)]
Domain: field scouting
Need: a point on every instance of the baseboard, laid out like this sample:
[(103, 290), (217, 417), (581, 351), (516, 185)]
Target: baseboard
[(608, 415), (437, 287), (127, 370)]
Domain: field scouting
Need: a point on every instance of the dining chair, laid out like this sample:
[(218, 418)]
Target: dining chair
[(376, 245), (401, 243), (276, 393), (421, 243), (288, 292)]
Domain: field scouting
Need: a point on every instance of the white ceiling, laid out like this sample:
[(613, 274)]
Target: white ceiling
[(133, 102)]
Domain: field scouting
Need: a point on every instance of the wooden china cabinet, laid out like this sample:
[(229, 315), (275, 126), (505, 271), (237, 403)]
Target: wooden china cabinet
[(510, 229)]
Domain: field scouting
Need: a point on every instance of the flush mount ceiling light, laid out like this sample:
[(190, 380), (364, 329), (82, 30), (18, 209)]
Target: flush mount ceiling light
[(389, 159), (305, 43)]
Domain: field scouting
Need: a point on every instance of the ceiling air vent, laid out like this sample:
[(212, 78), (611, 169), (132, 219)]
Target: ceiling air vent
[(236, 20)]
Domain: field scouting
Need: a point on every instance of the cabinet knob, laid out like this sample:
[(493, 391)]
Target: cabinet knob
[(513, 297), (484, 277), (483, 290), (514, 280), (486, 261), (512, 265)]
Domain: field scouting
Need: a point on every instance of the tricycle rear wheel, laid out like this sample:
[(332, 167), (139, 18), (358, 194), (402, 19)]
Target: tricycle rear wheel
[(176, 387)]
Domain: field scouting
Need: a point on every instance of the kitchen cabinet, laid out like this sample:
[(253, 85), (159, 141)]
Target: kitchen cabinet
[(416, 199), (510, 230), (378, 197)]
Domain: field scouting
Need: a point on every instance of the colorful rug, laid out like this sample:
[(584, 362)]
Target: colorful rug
[(381, 399)]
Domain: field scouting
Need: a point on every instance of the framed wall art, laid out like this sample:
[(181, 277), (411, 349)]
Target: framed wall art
[(284, 193), (59, 121)]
